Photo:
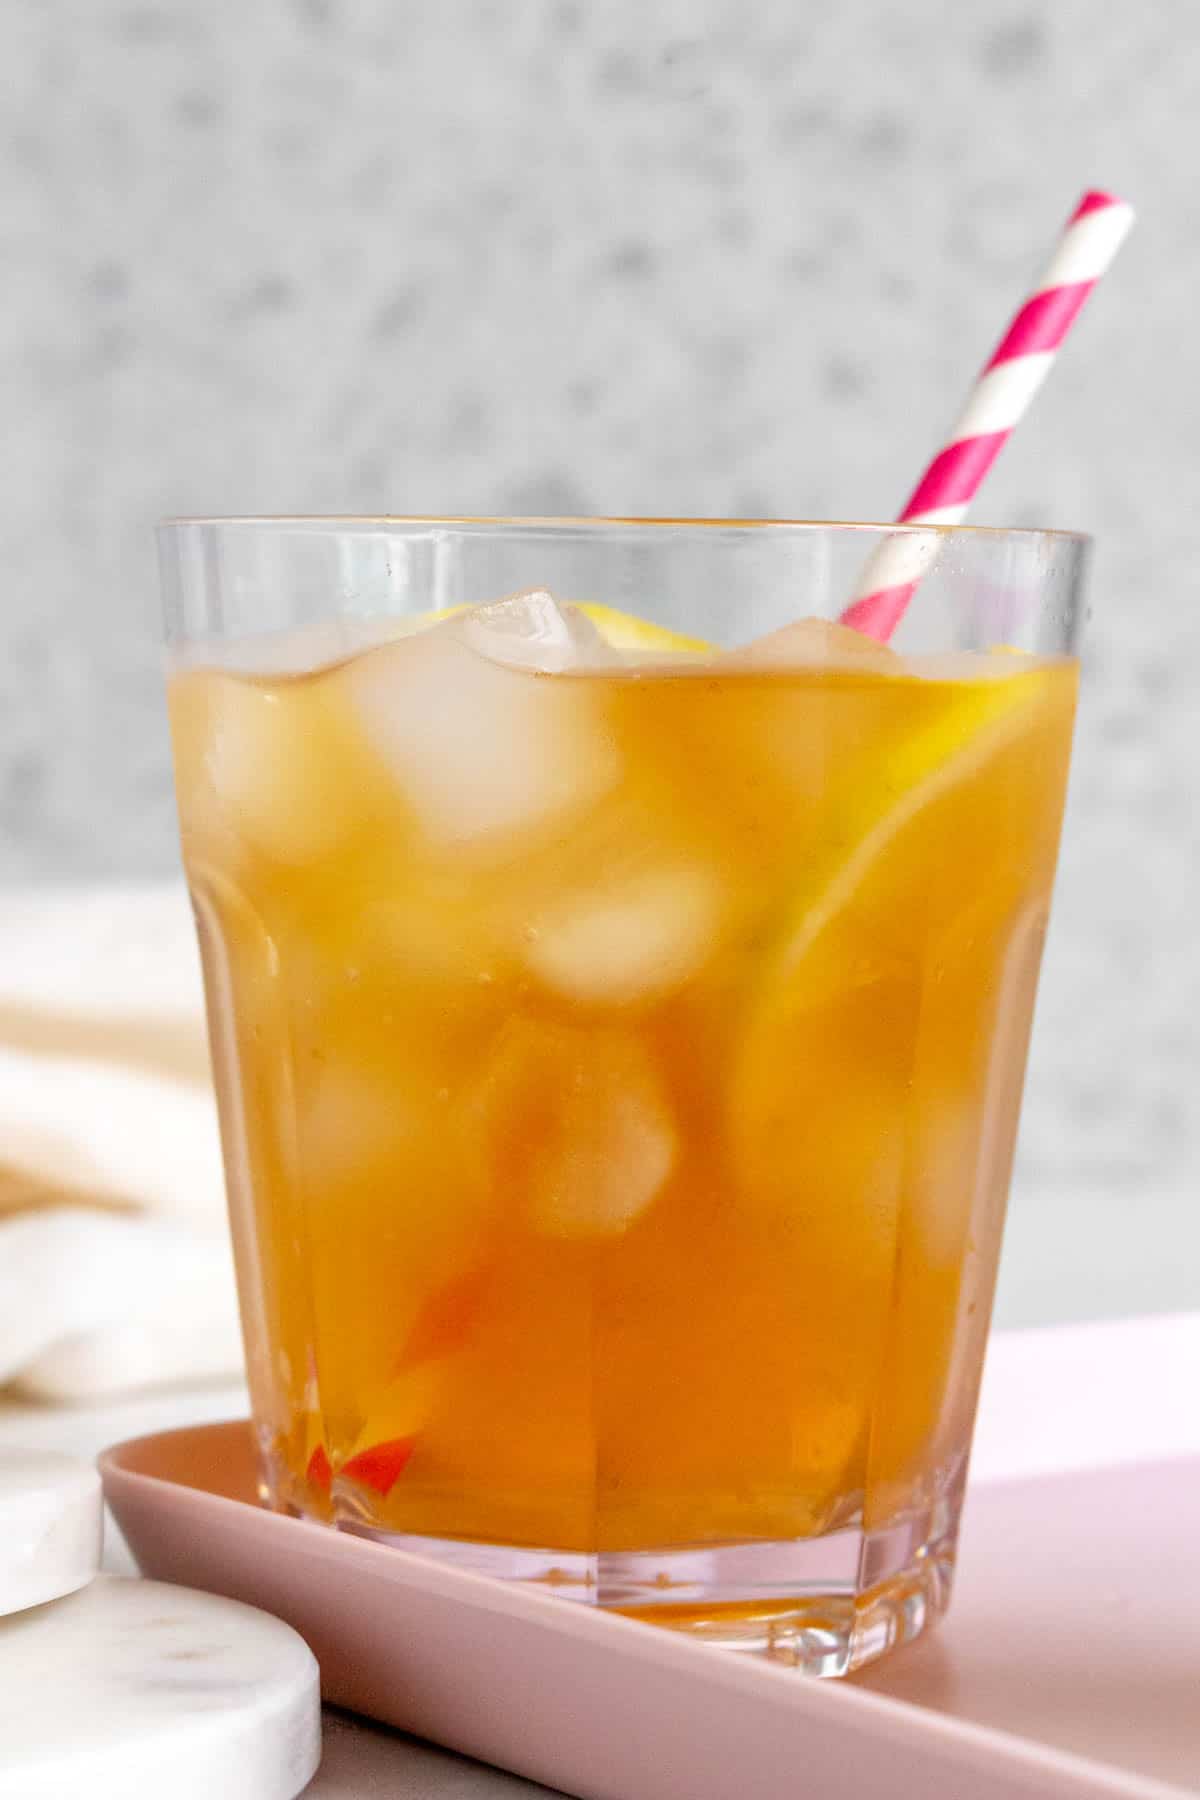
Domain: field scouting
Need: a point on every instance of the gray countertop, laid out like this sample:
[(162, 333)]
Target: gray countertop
[(362, 1761)]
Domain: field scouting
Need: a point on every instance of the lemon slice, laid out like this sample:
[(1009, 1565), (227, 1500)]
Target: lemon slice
[(622, 631), (877, 802), (832, 1097), (957, 809), (409, 624)]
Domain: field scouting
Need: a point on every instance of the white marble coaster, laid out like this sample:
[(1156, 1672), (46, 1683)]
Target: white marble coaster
[(51, 1515), (135, 1687)]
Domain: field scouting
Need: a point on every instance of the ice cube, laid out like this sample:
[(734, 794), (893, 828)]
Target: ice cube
[(485, 752), (816, 643), (301, 650), (532, 630), (351, 1125), (362, 1132), (947, 1140), (631, 942), (580, 1125), (260, 762)]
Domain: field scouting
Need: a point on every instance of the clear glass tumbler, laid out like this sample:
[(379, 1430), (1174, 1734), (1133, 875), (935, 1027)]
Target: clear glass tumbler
[(619, 983)]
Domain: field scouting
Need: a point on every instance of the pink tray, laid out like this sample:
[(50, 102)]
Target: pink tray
[(1068, 1666)]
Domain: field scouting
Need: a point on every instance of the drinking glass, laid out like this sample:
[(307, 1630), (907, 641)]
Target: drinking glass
[(619, 980)]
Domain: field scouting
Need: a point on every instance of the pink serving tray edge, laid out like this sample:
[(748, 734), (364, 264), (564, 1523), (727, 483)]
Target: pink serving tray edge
[(610, 1709)]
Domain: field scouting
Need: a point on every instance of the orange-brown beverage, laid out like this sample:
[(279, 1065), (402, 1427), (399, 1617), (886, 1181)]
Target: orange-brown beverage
[(619, 1049)]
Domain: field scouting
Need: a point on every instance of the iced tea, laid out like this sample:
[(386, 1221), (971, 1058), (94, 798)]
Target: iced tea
[(619, 1059)]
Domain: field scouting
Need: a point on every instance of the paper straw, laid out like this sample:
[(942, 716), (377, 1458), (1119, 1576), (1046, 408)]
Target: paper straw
[(1012, 376)]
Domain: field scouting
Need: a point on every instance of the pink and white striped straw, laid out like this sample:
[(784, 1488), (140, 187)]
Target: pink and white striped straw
[(1012, 376)]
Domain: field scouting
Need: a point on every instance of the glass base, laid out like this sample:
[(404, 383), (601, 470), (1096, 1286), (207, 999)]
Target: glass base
[(789, 1602), (824, 1605)]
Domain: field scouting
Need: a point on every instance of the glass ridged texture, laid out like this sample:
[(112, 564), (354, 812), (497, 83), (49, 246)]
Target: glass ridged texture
[(619, 1058)]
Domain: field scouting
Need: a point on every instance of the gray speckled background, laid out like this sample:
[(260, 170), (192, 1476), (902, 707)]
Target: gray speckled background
[(531, 255)]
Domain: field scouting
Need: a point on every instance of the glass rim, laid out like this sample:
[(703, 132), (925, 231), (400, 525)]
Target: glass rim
[(651, 524)]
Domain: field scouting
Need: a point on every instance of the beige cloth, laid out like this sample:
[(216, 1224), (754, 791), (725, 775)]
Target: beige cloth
[(115, 1269)]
